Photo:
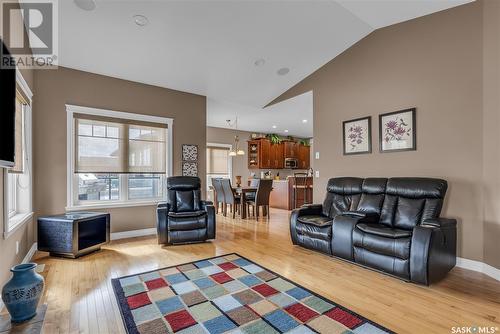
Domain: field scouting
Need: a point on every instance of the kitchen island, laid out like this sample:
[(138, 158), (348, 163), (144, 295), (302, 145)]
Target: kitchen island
[(282, 196)]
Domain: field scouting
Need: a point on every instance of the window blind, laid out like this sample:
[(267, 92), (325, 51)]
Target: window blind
[(110, 145), (19, 134), (217, 160)]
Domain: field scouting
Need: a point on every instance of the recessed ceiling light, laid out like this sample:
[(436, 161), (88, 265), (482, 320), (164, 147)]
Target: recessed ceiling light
[(304, 121), (274, 126), (283, 71), (260, 62), (87, 5), (141, 20), (286, 131)]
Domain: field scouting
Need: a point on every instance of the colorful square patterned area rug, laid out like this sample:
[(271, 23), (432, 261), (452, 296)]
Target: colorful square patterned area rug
[(229, 294)]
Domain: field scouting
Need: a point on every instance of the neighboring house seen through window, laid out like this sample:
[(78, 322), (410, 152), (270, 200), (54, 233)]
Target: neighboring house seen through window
[(117, 160)]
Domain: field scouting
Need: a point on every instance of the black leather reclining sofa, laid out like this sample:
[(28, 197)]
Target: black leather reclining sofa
[(391, 225)]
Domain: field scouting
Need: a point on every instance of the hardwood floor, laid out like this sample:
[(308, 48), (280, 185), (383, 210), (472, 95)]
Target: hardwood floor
[(81, 300)]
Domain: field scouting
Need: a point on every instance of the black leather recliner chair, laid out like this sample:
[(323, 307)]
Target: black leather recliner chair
[(391, 225), (185, 218)]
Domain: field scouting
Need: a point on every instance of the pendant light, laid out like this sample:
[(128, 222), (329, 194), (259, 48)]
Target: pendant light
[(235, 150)]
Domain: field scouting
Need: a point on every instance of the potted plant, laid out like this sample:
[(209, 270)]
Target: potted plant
[(274, 138)]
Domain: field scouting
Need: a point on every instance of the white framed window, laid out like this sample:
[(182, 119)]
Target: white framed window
[(219, 162), (116, 159), (18, 179)]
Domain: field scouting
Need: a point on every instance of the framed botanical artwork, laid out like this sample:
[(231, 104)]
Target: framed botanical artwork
[(357, 135), (189, 169), (189, 152), (397, 131)]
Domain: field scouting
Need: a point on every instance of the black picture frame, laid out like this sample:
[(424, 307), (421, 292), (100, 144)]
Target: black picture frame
[(369, 136), (190, 152), (189, 168), (413, 130)]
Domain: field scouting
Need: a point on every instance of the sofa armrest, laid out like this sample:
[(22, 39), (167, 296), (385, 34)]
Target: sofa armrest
[(433, 250), (162, 222), (305, 210), (310, 209), (362, 216), (208, 206), (440, 222), (343, 226)]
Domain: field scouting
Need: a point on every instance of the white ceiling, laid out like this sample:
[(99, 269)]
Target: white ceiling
[(286, 115), (210, 47)]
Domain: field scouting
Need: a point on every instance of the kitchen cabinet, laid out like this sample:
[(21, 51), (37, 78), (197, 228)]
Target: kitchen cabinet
[(277, 158), (303, 156), (290, 149), (262, 154), (253, 154), (259, 154)]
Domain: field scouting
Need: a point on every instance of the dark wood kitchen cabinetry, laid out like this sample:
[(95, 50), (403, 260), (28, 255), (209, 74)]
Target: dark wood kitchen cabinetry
[(303, 156), (262, 154), (253, 154), (277, 159), (259, 154), (290, 149)]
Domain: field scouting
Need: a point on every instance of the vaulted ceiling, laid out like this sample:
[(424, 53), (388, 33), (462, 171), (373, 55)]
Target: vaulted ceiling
[(212, 47)]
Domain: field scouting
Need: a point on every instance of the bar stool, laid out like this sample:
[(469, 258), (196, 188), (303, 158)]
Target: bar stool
[(299, 184)]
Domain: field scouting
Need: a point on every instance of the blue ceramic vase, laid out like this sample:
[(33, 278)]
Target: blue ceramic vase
[(22, 293)]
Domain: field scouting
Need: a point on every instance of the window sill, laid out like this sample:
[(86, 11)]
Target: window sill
[(111, 205), (16, 222)]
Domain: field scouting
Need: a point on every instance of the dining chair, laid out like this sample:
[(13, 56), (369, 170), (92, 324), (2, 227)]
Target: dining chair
[(250, 196), (219, 194), (230, 198), (261, 198)]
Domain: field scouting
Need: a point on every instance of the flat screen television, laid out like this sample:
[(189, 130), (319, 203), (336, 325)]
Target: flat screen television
[(7, 109)]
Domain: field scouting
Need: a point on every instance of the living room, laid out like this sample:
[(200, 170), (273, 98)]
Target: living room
[(110, 194)]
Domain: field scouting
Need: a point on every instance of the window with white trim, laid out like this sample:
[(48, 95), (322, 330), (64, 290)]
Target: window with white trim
[(117, 158), (218, 162), (17, 180)]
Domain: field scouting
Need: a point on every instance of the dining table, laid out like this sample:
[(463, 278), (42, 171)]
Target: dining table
[(243, 191)]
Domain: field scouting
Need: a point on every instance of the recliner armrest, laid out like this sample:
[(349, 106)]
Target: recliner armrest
[(305, 210), (309, 209), (204, 204), (440, 222), (433, 250), (208, 206), (162, 210), (365, 217), (343, 226)]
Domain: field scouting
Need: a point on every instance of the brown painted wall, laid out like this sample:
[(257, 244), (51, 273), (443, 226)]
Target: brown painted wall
[(491, 135), (24, 234), (55, 88), (433, 63)]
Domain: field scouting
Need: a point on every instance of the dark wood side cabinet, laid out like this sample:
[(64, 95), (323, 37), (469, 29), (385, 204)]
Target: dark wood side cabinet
[(73, 234)]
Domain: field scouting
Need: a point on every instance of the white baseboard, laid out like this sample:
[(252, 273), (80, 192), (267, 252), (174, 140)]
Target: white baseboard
[(30, 253), (131, 234), (479, 266)]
